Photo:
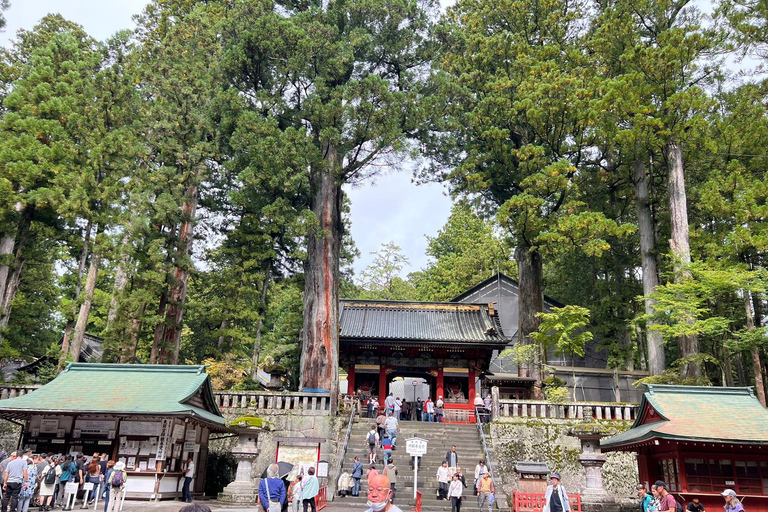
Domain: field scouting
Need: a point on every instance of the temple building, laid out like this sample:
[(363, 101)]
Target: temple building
[(700, 441), (456, 349)]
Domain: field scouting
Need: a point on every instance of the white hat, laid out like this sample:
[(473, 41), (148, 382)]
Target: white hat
[(119, 466), (728, 492)]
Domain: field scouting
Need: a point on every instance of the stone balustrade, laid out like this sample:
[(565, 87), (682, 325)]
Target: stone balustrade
[(573, 410), (265, 401), (12, 391)]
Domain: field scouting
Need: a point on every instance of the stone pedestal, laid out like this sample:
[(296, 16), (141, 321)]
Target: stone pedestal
[(594, 498), (243, 489)]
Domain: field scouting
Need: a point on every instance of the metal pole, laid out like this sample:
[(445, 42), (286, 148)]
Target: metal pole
[(415, 475)]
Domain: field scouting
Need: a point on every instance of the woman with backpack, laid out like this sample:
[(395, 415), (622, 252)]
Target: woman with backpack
[(47, 485), (116, 481), (26, 493), (107, 486), (67, 468)]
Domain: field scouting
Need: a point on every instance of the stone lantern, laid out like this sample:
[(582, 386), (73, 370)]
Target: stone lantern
[(589, 432), (243, 489)]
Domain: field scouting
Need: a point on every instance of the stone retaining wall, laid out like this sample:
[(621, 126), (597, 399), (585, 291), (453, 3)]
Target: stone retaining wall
[(546, 440)]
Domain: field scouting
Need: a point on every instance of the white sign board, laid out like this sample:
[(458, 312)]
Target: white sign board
[(322, 470), (94, 426), (416, 446), (140, 428), (71, 488), (49, 426)]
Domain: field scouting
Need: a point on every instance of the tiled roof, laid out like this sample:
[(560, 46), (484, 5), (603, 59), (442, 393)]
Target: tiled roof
[(696, 413), (531, 468), (124, 389), (419, 321)]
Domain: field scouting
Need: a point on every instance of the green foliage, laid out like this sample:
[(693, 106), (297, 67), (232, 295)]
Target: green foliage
[(564, 330), (556, 395)]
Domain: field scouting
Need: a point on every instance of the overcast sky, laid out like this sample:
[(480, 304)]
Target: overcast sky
[(394, 209)]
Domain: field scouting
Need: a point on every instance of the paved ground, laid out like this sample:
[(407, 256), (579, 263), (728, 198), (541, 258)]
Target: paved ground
[(175, 506)]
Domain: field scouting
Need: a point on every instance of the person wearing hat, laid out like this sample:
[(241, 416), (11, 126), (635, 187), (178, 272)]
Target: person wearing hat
[(556, 496), (116, 483), (732, 503), (666, 500), (439, 409)]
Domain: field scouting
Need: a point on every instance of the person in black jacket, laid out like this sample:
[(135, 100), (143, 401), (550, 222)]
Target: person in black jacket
[(452, 457)]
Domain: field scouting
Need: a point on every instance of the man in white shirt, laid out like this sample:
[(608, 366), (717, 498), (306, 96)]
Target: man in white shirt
[(389, 403), (398, 408), (186, 495), (439, 409)]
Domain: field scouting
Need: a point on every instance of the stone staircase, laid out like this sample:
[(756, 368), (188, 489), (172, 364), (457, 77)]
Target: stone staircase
[(440, 436)]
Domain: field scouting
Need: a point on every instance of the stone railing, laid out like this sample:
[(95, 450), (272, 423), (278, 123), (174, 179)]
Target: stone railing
[(573, 410), (308, 403), (12, 391)]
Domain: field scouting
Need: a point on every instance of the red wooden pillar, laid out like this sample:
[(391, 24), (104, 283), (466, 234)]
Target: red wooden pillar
[(472, 389), (351, 379), (439, 383), (382, 385)]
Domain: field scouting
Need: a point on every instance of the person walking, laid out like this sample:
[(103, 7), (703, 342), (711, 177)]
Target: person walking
[(357, 474), (479, 470), (381, 419), (107, 486), (439, 409), (310, 489), (67, 467), (389, 404), (386, 446), (666, 500), (452, 457), (397, 408), (732, 503), (380, 496), (443, 478), (419, 410), (272, 490), (345, 483), (116, 483), (26, 494), (556, 498), (296, 495), (485, 490), (372, 441), (455, 491), (643, 497), (390, 471), (189, 474), (391, 425), (15, 478)]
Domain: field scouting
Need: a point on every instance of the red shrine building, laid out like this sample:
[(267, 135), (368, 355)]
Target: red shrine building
[(457, 348), (449, 345), (701, 441)]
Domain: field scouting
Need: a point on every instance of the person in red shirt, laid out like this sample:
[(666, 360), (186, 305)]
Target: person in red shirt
[(666, 501)]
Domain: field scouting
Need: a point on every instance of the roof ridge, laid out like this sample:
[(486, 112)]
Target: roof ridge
[(118, 367), (710, 390)]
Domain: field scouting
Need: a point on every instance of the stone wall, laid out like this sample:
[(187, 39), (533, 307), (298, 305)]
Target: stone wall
[(9, 435), (284, 424), (546, 440)]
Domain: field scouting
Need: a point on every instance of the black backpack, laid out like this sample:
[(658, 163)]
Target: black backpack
[(372, 438), (678, 506), (50, 476)]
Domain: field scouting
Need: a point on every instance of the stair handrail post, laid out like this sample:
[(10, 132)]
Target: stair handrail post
[(488, 464), (343, 453)]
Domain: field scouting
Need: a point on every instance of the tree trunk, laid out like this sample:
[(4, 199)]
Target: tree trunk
[(169, 350), (740, 370), (78, 284), (530, 303), (7, 242), (224, 325), (757, 367), (121, 279), (645, 225), (159, 328), (129, 347), (681, 249), (260, 326), (14, 279), (320, 339), (85, 307)]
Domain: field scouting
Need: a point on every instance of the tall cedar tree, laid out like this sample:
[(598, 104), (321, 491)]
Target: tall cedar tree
[(344, 74)]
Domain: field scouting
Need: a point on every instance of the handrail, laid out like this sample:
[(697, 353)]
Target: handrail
[(343, 452), (485, 451)]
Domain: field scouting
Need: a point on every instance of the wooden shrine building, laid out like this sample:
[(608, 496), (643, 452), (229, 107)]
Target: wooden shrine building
[(152, 417), (447, 344), (701, 441)]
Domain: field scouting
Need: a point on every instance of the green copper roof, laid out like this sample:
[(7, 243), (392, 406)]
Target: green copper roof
[(696, 413), (141, 389)]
